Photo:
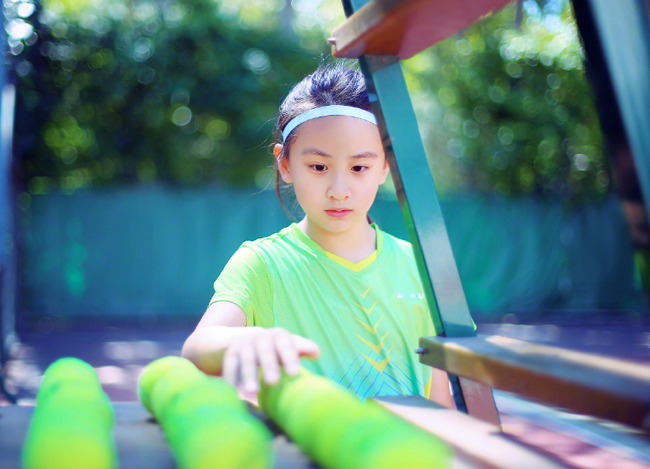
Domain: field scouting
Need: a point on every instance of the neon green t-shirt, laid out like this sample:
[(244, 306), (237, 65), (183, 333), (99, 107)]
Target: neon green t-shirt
[(365, 317)]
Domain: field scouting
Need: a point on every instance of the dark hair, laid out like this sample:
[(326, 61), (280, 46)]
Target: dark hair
[(328, 85)]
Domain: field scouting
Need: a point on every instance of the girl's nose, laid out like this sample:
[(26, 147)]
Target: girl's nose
[(338, 188)]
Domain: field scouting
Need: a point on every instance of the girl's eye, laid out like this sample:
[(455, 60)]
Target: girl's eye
[(318, 167), (359, 168)]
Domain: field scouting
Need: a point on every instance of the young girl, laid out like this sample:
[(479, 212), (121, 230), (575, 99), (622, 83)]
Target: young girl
[(332, 287)]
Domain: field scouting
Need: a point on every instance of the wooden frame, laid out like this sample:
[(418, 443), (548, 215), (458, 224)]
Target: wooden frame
[(603, 387), (405, 27)]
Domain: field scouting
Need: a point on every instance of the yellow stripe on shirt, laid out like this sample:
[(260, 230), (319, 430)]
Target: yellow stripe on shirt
[(358, 267)]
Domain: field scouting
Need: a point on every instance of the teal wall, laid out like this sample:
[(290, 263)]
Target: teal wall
[(154, 252)]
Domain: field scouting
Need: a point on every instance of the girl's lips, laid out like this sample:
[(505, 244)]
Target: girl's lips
[(338, 213)]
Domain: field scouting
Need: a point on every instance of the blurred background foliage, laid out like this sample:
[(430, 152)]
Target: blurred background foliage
[(182, 92), (507, 109), (185, 92)]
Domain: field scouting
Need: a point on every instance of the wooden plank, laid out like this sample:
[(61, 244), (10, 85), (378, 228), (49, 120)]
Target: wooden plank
[(479, 401), (588, 384), (406, 27), (613, 441), (479, 442)]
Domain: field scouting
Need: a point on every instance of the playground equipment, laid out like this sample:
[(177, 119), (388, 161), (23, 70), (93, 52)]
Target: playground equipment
[(617, 42), (8, 230), (72, 426), (380, 33), (205, 422), (339, 431)]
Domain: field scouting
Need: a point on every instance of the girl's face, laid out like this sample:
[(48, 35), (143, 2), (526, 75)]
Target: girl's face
[(336, 166)]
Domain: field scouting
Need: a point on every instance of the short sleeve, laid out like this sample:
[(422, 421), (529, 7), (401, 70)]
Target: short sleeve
[(245, 281)]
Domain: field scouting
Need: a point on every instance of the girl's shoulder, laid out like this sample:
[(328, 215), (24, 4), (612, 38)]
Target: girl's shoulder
[(280, 237), (396, 245), (280, 243)]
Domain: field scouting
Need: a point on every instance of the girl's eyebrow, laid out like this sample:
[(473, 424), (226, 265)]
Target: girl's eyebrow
[(365, 154), (316, 151)]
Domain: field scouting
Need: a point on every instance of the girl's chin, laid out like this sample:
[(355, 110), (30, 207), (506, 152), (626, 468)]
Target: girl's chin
[(332, 225)]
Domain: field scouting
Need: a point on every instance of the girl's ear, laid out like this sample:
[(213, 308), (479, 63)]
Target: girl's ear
[(384, 171), (283, 163)]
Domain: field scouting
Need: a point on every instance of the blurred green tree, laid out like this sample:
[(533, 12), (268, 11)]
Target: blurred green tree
[(506, 108), (176, 91), (183, 91)]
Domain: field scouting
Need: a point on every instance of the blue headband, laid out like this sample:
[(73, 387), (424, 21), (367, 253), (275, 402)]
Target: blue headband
[(324, 111)]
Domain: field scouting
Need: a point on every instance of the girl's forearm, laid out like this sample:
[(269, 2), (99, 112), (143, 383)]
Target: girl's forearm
[(206, 346)]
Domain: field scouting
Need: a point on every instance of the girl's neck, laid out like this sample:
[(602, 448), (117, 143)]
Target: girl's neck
[(354, 244)]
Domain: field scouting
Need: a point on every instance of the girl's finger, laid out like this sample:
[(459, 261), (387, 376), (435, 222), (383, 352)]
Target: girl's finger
[(230, 371), (306, 347), (285, 345), (248, 368), (268, 359)]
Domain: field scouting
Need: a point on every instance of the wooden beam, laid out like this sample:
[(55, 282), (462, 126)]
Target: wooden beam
[(406, 27), (588, 384), (477, 442)]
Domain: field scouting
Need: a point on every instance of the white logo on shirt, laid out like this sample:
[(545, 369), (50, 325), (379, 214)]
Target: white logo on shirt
[(411, 296)]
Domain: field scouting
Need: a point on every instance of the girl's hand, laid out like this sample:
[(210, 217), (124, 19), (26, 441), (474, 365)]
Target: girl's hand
[(268, 349)]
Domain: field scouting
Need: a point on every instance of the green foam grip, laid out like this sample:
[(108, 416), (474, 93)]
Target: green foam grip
[(171, 385), (205, 422), (72, 423), (81, 397), (64, 372), (152, 374), (68, 443), (339, 431), (221, 438), (403, 447), (209, 391), (71, 367)]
